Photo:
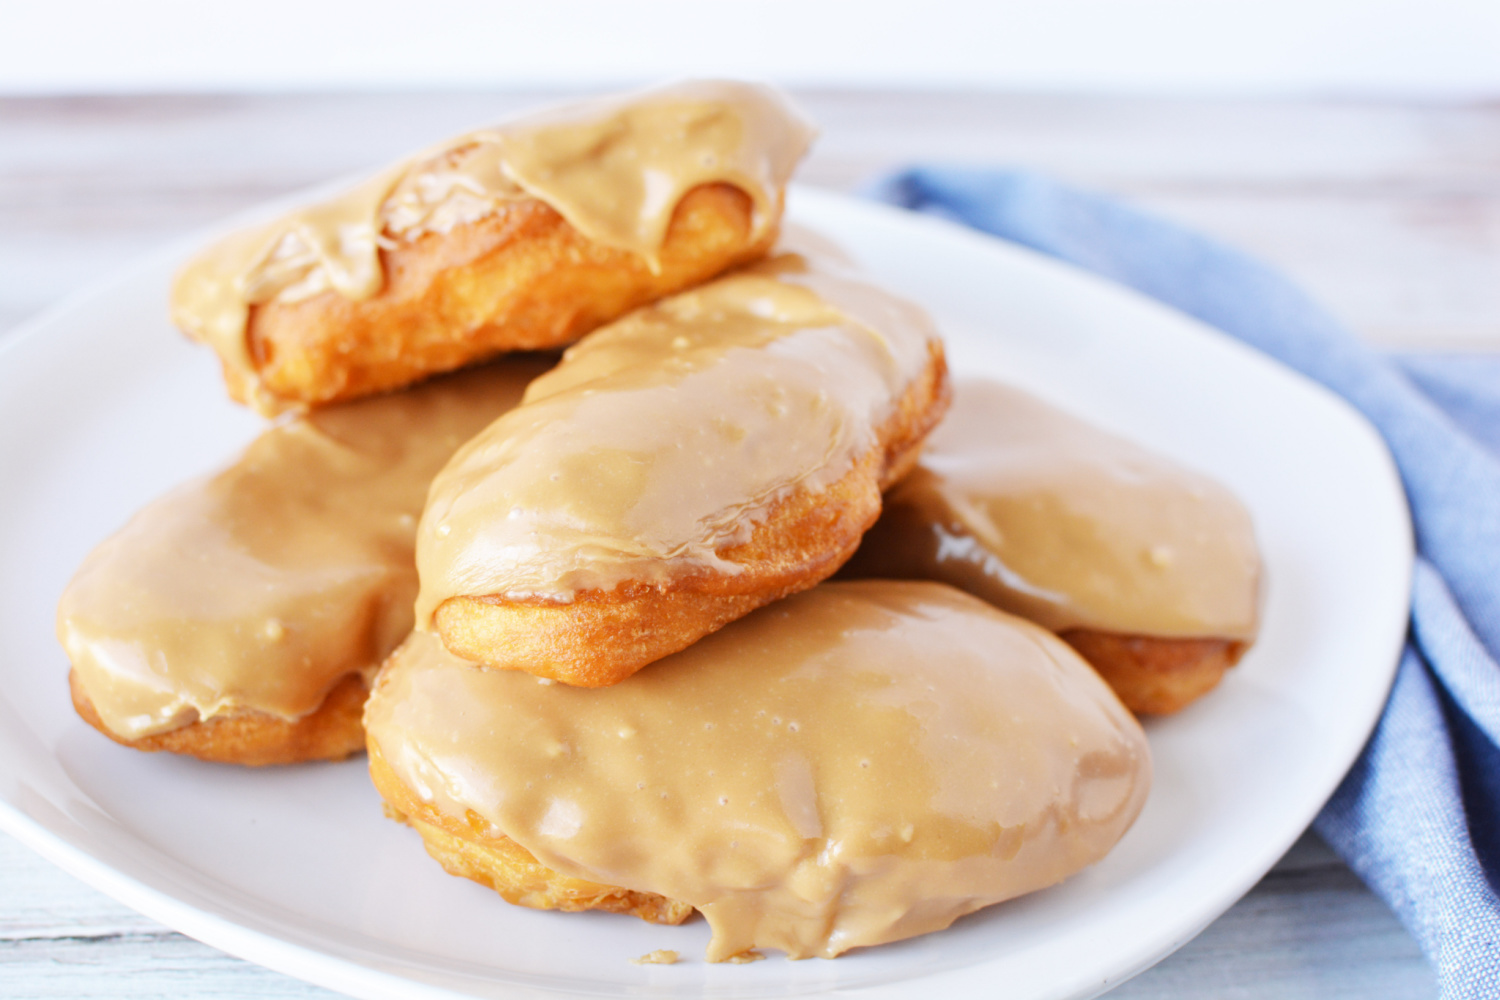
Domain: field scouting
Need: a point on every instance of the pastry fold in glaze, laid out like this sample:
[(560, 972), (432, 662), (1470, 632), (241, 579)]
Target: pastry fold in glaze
[(681, 467), (1150, 570), (860, 763), (517, 237), (239, 618)]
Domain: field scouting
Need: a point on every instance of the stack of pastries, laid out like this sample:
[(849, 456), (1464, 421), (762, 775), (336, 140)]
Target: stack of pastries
[(578, 607)]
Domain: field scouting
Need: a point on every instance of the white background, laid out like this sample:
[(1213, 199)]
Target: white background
[(1437, 48)]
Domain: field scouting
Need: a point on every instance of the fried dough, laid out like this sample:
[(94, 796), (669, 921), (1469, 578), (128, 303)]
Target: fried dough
[(859, 763), (1155, 676), (1148, 569), (332, 731), (520, 279), (518, 237), (679, 469), (475, 850), (235, 618)]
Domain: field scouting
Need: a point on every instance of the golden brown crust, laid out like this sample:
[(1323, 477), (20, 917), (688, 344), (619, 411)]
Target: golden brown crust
[(602, 637), (917, 415), (471, 851), (1156, 676), (332, 732), (520, 279)]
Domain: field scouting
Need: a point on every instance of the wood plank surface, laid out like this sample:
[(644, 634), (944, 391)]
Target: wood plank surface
[(1388, 212)]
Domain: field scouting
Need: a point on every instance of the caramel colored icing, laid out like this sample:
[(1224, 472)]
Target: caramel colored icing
[(1052, 519), (859, 763), (666, 436), (260, 587), (615, 169)]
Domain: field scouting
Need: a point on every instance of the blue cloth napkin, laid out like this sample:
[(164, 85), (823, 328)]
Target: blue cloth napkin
[(1418, 817)]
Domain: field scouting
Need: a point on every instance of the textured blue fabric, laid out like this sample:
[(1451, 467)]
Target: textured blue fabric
[(1418, 817)]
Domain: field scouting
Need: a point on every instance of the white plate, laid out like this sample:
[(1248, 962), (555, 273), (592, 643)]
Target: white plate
[(103, 407)]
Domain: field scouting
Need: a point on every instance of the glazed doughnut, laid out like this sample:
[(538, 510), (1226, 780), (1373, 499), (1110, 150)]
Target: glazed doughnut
[(518, 237), (1151, 571), (680, 468), (238, 618), (857, 764)]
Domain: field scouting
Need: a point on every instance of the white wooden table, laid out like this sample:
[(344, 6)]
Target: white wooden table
[(1388, 212)]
